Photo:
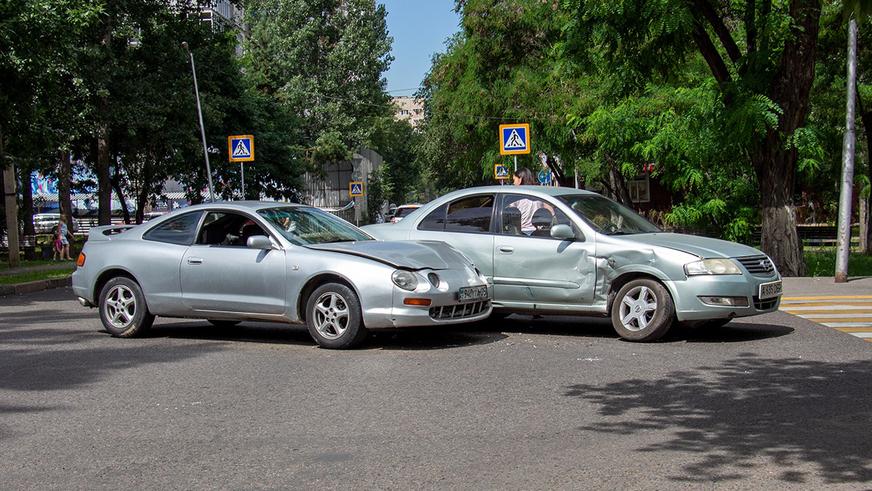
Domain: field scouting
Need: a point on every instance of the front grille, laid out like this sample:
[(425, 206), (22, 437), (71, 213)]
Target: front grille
[(757, 265), (764, 304), (460, 311)]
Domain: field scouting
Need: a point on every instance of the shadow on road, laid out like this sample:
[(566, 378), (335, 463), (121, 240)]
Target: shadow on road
[(798, 416), (595, 327), (412, 338), (734, 332), (40, 369)]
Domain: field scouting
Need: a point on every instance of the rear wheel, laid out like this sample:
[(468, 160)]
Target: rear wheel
[(122, 308), (333, 317), (642, 310)]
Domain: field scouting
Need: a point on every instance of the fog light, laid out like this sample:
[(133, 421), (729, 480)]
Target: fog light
[(422, 302), (725, 301)]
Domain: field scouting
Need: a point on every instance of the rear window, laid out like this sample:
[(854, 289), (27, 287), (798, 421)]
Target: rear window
[(404, 212), (471, 215), (179, 230)]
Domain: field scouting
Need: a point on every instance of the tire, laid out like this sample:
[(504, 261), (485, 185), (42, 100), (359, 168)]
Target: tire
[(333, 317), (123, 310), (641, 321), (222, 324)]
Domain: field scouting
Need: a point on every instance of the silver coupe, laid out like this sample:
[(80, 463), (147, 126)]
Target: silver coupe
[(566, 251), (236, 261)]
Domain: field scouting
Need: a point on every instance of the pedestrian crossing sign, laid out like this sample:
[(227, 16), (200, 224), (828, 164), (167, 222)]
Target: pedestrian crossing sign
[(355, 189), (514, 139), (240, 148), (501, 172)]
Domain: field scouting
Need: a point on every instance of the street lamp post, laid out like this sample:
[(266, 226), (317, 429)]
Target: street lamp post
[(202, 128)]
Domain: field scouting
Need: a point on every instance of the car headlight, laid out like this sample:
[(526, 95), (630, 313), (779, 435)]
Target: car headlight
[(405, 279), (711, 266)]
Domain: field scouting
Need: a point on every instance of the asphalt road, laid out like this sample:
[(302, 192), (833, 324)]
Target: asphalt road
[(774, 401)]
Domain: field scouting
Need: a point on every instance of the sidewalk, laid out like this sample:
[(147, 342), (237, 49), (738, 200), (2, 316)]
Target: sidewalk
[(824, 286)]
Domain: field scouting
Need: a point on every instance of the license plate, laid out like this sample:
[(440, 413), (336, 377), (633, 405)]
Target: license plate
[(469, 293), (769, 290)]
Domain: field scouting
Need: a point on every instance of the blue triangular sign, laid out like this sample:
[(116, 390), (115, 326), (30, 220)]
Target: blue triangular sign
[(241, 150)]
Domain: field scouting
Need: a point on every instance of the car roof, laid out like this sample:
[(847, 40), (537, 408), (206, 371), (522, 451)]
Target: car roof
[(241, 205), (532, 190)]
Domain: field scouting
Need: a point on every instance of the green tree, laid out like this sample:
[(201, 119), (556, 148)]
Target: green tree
[(322, 61)]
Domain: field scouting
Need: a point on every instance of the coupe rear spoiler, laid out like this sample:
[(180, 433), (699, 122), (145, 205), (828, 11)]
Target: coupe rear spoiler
[(107, 231)]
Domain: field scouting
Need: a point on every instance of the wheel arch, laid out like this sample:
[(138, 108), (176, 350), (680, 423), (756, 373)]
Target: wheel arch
[(314, 283), (108, 274), (625, 277)]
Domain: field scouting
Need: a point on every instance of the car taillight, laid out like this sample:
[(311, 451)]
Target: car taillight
[(81, 260)]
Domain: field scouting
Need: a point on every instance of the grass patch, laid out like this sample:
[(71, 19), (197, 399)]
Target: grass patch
[(25, 264), (34, 276), (823, 263)]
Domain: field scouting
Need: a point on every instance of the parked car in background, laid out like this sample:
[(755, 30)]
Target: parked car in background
[(45, 223), (551, 250), (403, 211), (239, 261)]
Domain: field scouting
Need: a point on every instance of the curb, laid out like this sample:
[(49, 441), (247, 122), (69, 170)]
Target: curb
[(34, 286)]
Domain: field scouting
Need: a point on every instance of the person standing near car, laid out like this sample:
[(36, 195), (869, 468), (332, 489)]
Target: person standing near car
[(527, 207), (63, 235)]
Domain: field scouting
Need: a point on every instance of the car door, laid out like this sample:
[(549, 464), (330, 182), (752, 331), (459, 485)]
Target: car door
[(533, 269), (219, 273), (466, 224), (161, 252)]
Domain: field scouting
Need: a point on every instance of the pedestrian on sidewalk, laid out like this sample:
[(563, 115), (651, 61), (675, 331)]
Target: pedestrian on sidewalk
[(63, 235)]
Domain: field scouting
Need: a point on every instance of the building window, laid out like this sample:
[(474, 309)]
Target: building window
[(640, 189)]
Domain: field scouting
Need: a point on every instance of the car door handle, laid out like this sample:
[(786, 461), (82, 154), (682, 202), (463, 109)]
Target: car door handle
[(195, 260), (507, 249)]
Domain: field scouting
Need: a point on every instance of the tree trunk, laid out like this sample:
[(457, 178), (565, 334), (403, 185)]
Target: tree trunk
[(27, 211), (65, 184), (144, 189), (866, 221), (104, 184), (774, 162), (26, 200), (776, 173), (116, 185), (11, 205)]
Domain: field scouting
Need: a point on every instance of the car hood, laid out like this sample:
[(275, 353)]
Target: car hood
[(412, 255), (704, 247)]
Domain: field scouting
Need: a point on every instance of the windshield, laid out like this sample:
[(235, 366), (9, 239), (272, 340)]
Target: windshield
[(607, 216), (302, 225)]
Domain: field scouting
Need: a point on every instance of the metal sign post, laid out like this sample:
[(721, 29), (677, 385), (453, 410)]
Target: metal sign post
[(202, 128)]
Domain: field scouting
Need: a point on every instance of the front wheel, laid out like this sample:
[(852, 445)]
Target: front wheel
[(122, 308), (333, 317), (642, 310)]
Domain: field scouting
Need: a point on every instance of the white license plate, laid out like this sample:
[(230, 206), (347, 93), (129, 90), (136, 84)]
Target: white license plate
[(769, 290), (469, 293)]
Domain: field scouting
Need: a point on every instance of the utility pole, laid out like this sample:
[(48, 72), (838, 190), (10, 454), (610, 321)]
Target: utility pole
[(843, 249), (202, 128)]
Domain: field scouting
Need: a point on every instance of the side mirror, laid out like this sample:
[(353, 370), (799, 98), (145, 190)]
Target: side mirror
[(562, 231), (259, 242)]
